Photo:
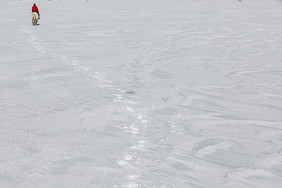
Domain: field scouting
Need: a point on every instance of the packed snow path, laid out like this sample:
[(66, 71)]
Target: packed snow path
[(141, 93)]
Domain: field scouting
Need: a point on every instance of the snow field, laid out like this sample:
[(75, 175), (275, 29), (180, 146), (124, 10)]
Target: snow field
[(141, 94)]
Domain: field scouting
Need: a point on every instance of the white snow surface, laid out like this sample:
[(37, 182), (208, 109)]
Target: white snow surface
[(141, 94)]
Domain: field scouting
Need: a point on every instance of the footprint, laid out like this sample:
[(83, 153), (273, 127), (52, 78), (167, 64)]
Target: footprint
[(134, 130), (130, 109), (128, 157), (122, 162), (118, 96), (132, 177), (64, 58), (141, 141), (133, 185), (144, 121), (138, 147), (131, 102)]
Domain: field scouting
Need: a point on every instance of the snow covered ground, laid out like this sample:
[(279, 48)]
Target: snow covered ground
[(141, 93)]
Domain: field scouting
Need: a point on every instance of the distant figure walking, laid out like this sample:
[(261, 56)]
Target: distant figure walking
[(35, 14)]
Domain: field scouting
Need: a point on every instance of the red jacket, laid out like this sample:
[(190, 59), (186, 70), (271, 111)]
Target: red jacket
[(35, 9)]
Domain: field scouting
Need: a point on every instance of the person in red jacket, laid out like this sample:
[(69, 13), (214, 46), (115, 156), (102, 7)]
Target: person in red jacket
[(35, 14)]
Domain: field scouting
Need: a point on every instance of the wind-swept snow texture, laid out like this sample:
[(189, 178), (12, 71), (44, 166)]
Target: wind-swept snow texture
[(141, 94)]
